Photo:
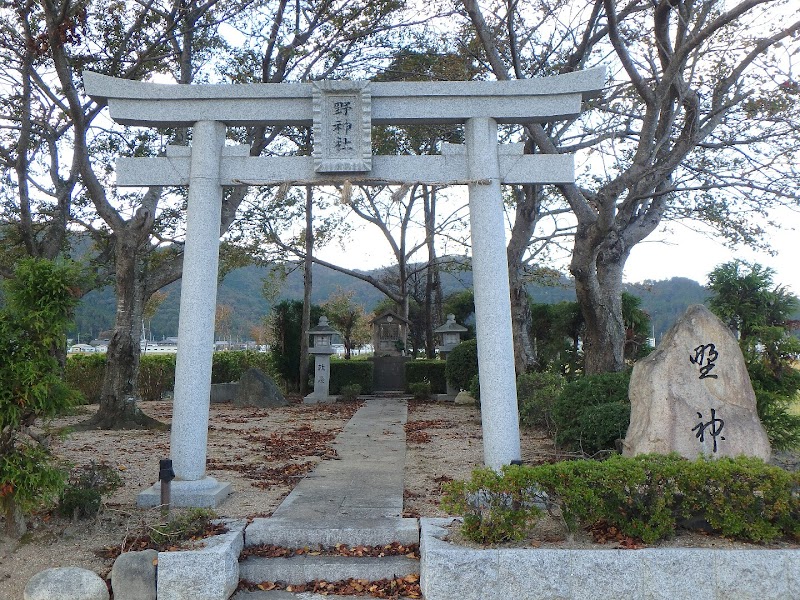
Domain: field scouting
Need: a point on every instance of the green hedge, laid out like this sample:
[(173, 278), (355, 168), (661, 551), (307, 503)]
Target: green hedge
[(156, 375), (85, 372), (350, 372), (644, 497), (432, 371), (228, 367)]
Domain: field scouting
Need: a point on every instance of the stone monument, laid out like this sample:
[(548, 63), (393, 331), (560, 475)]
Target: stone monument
[(256, 388), (342, 115), (321, 349), (693, 395)]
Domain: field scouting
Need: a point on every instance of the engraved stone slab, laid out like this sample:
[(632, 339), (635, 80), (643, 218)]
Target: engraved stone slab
[(693, 395), (342, 113)]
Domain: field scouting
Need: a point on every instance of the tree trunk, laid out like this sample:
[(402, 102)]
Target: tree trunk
[(307, 287), (431, 273), (118, 399), (598, 287), (527, 215)]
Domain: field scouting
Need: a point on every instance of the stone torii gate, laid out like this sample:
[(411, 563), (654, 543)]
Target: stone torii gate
[(342, 114)]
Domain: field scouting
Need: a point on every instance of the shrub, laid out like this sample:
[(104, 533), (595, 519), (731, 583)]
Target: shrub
[(350, 392), (475, 389), (421, 390), (431, 371), (462, 364), (39, 302), (190, 525), (350, 372), (576, 431), (84, 373), (643, 497), (536, 395), (602, 425), (494, 506), (82, 494)]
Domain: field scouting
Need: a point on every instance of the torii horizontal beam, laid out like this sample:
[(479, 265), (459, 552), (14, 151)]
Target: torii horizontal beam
[(237, 168), (517, 101)]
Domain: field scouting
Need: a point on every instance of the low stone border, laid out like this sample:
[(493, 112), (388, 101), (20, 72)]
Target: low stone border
[(208, 573), (450, 572)]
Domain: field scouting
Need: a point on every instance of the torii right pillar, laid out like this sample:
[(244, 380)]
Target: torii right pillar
[(499, 413)]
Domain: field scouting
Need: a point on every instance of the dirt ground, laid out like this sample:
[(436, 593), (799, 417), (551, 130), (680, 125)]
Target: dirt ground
[(263, 453)]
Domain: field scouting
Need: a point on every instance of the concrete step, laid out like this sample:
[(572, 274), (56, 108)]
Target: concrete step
[(302, 533), (305, 568)]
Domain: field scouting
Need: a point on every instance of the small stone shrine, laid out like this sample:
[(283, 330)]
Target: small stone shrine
[(693, 395), (389, 333)]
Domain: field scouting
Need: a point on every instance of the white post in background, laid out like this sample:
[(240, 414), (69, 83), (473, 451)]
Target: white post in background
[(189, 434), (499, 414)]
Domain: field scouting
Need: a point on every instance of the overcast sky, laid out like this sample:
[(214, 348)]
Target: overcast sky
[(673, 251)]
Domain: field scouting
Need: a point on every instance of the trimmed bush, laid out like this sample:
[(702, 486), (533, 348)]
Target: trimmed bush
[(84, 373), (432, 371), (644, 497), (82, 495), (536, 394), (421, 390), (229, 366), (350, 392), (349, 372), (574, 412), (462, 364), (156, 375)]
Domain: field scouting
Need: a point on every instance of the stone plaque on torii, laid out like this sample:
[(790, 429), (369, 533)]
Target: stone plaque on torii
[(342, 114)]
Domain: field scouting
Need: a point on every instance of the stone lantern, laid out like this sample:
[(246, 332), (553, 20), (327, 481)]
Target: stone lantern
[(322, 348), (451, 337)]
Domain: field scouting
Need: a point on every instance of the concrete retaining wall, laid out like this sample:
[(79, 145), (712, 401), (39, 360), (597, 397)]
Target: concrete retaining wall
[(456, 573)]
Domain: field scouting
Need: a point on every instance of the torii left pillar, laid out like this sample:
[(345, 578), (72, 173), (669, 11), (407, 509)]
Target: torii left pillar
[(189, 433)]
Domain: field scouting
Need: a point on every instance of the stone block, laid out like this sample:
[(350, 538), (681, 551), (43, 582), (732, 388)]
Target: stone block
[(210, 572), (203, 493), (603, 574), (678, 573), (66, 583), (748, 575), (542, 575), (133, 576), (256, 389), (223, 392)]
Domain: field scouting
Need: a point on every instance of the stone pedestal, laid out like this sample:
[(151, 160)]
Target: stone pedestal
[(322, 380)]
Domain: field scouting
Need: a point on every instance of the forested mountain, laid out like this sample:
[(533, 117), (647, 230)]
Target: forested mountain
[(242, 291)]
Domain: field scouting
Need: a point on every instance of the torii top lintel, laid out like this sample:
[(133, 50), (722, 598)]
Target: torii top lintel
[(516, 101)]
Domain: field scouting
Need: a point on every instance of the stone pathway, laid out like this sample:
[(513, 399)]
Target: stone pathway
[(356, 499)]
